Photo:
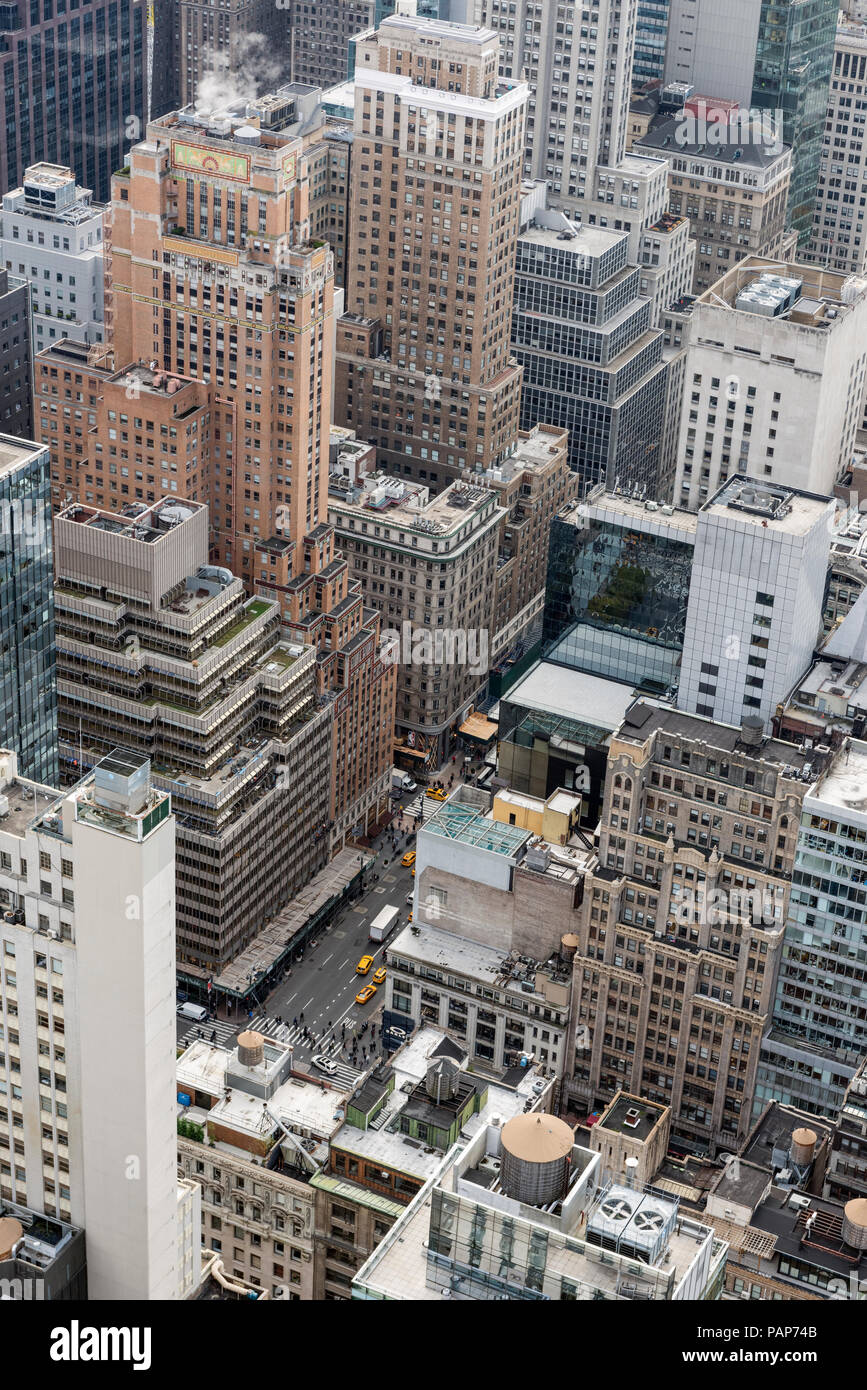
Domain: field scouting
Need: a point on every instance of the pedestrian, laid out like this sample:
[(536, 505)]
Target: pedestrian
[(301, 1016), (295, 1021)]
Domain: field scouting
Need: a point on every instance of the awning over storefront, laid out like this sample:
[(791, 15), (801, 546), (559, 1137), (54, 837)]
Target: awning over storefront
[(479, 727)]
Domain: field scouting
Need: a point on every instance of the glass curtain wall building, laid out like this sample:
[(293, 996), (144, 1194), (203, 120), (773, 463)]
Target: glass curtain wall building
[(792, 75), (28, 681), (617, 592), (651, 32), (72, 87), (819, 1031)]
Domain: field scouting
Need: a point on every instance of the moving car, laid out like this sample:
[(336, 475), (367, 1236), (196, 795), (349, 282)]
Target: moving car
[(325, 1064), (409, 918), (437, 793), (378, 976), (364, 965), (364, 994), (408, 858)]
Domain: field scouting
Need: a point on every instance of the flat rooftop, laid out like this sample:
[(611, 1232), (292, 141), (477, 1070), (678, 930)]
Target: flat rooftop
[(26, 802), (844, 782), (138, 521), (571, 694), (661, 519), (155, 383), (383, 497), (820, 289), (17, 453), (410, 1065), (454, 820), (444, 950), (583, 241), (770, 506), (631, 1115)]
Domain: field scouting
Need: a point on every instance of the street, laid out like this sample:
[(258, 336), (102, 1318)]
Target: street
[(318, 992)]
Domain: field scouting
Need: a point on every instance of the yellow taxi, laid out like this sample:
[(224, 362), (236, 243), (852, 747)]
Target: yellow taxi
[(364, 965), (364, 994), (378, 976), (408, 858), (409, 918), (437, 793)]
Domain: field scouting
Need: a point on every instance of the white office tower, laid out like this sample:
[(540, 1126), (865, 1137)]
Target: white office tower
[(88, 1000), (755, 600), (578, 65), (773, 381), (51, 233), (839, 239)]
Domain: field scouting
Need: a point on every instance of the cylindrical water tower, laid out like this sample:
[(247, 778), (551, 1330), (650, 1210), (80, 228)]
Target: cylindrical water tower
[(251, 1048), (535, 1158)]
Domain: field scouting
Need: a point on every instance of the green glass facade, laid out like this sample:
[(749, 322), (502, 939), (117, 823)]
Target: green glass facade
[(28, 680), (792, 74)]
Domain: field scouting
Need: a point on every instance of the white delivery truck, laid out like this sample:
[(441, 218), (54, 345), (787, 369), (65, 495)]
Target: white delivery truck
[(383, 923), (401, 781)]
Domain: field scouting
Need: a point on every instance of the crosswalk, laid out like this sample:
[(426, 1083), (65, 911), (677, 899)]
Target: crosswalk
[(224, 1031), (346, 1075)]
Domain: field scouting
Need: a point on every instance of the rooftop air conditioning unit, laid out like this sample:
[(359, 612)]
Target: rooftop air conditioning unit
[(799, 1200)]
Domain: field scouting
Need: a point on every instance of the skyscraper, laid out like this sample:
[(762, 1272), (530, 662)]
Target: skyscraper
[(773, 379), (818, 1033), (839, 240), (87, 880), (592, 363), (73, 87), (16, 356), (51, 233), (28, 690), (218, 204), (774, 55), (424, 354), (578, 66)]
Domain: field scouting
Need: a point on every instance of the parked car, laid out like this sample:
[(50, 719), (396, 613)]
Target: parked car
[(409, 898), (364, 965), (364, 994), (325, 1064)]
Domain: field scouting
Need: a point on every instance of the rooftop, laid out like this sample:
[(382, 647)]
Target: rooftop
[(825, 296), (25, 801), (844, 781), (137, 521), (738, 147), (632, 1115), (645, 513), (18, 453), (646, 717), (584, 240), (455, 820), (410, 1065), (562, 691), (406, 505), (772, 507), (446, 950)]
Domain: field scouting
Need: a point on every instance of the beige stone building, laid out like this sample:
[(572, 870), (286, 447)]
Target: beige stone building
[(424, 367), (684, 919), (734, 194), (458, 577)]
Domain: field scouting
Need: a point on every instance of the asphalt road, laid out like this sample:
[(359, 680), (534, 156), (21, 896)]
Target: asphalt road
[(322, 985)]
